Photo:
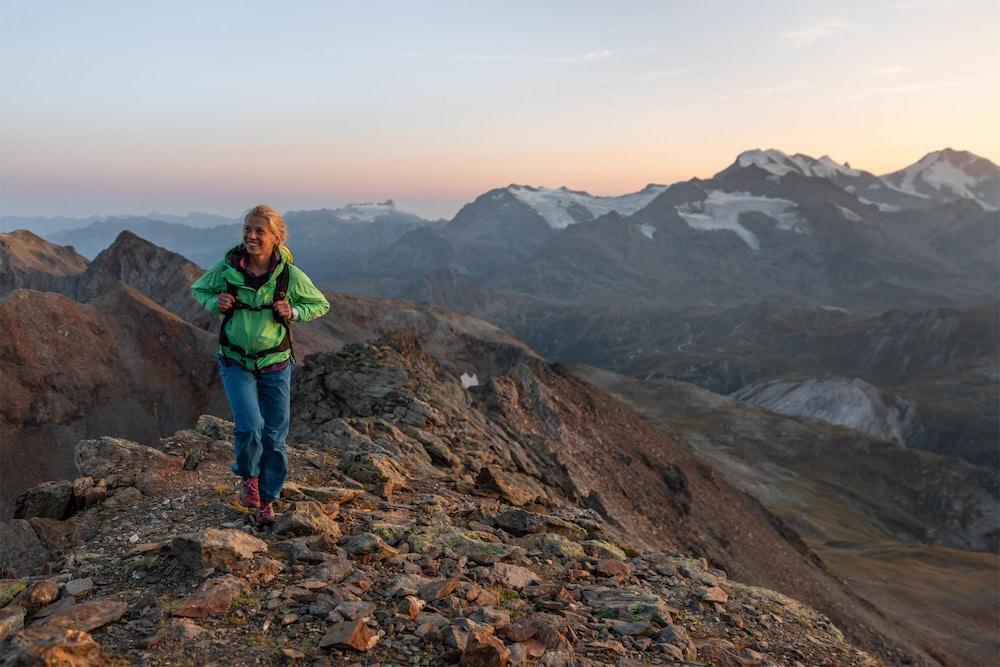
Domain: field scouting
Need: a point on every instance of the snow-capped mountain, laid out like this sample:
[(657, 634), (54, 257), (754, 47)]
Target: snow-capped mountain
[(562, 207), (356, 212), (947, 175), (939, 177), (368, 211), (778, 163)]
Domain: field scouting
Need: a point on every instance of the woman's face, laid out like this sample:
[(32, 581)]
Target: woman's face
[(258, 238)]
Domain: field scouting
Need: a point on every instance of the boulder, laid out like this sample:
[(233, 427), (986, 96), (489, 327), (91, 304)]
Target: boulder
[(308, 518), (10, 589), (713, 594), (21, 552), (677, 636), (494, 479), (52, 645), (77, 587), (483, 649), (375, 471), (627, 604), (144, 467), (215, 546), (214, 427), (87, 616), (181, 631), (52, 500), (39, 594), (216, 597), (553, 544), (602, 550), (438, 589), (11, 620), (368, 547), (521, 522), (349, 634), (513, 576)]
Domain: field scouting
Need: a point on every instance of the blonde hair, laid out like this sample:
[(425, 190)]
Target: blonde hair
[(274, 220), (275, 223)]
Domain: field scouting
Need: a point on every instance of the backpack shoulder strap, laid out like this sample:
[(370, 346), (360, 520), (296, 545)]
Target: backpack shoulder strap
[(281, 285)]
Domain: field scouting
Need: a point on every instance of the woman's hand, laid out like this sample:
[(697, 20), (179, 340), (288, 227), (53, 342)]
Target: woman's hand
[(225, 301), (282, 309)]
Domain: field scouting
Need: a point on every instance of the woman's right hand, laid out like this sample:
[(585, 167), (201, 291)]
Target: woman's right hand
[(225, 301)]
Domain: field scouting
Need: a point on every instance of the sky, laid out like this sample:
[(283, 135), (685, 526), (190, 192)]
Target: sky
[(214, 106)]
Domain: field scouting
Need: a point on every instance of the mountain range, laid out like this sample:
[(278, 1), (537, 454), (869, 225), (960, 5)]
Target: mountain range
[(793, 252)]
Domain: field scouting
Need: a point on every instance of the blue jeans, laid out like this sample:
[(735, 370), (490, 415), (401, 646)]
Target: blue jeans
[(261, 407)]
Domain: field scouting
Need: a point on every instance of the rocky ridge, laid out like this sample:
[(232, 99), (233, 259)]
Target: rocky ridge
[(424, 524)]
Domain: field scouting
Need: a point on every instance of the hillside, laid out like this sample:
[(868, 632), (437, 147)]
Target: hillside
[(497, 509), (911, 532)]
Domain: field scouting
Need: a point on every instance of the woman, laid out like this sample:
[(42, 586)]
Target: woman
[(258, 291)]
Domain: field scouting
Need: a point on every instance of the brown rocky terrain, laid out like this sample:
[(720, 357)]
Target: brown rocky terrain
[(27, 261), (69, 370), (425, 524)]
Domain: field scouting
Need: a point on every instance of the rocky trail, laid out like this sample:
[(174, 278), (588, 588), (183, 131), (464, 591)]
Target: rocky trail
[(423, 523)]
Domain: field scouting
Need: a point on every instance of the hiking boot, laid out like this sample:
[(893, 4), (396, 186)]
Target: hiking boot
[(265, 514), (249, 495)]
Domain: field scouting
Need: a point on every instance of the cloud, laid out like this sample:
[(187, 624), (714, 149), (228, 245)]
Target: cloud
[(769, 91), (658, 75), (907, 5), (884, 70), (590, 56), (915, 87), (810, 34)]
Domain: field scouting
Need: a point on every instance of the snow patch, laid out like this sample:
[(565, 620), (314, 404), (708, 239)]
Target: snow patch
[(778, 164), (849, 214), (554, 205), (885, 208), (368, 211), (647, 229), (469, 380), (836, 400), (722, 210)]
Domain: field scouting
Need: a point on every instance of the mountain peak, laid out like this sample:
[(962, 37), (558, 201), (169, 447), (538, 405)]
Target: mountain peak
[(949, 174), (562, 207), (779, 163), (370, 210)]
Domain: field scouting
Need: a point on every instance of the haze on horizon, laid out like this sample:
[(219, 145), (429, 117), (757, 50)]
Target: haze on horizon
[(117, 107)]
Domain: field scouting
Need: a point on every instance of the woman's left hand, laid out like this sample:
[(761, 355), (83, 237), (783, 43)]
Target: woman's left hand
[(283, 309)]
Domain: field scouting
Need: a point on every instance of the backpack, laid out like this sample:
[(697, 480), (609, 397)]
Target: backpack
[(280, 291)]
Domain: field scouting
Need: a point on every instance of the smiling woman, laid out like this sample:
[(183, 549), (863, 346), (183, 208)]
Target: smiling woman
[(258, 291)]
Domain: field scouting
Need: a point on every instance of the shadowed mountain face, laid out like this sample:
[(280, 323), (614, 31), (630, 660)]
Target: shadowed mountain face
[(118, 364), (884, 518)]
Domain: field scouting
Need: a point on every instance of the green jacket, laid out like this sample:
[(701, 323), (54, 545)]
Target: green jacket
[(251, 329)]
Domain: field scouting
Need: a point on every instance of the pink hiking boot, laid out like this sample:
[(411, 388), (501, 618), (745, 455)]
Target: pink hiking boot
[(265, 514), (249, 494)]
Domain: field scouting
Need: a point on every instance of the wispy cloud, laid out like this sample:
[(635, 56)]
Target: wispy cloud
[(917, 86), (769, 91), (590, 56), (900, 89), (884, 70), (811, 33), (658, 75), (936, 4)]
